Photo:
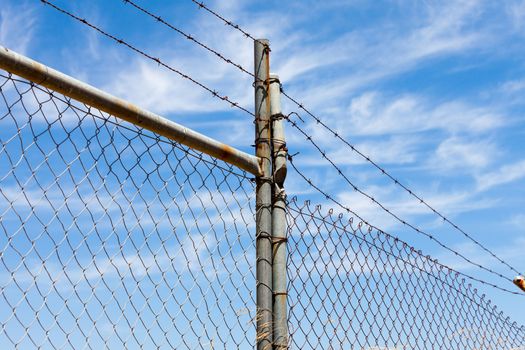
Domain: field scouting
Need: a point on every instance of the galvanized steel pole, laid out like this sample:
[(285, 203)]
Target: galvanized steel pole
[(263, 199), (279, 154)]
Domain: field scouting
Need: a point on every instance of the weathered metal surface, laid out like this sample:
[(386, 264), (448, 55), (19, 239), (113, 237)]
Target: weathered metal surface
[(279, 154), (264, 315), (68, 86)]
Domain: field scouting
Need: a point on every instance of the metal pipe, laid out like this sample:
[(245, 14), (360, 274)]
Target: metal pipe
[(68, 86), (263, 213), (279, 154)]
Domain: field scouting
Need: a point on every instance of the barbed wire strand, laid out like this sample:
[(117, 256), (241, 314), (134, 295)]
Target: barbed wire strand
[(387, 210), (223, 19), (364, 156), (155, 59), (189, 37), (349, 210), (389, 236), (301, 106), (397, 182)]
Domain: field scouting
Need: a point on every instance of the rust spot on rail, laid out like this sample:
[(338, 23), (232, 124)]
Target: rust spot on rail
[(226, 152), (135, 111)]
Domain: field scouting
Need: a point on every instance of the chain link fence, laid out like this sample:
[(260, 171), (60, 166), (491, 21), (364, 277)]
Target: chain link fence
[(113, 237), (351, 287)]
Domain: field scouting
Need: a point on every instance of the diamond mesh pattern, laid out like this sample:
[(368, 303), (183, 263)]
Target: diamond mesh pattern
[(355, 288), (113, 237)]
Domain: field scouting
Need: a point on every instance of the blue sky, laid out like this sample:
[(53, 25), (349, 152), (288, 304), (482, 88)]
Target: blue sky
[(432, 91)]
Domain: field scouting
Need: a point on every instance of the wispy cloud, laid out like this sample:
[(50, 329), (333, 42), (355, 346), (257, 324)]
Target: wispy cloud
[(17, 24), (513, 86), (449, 203), (373, 114), (457, 153), (505, 174), (518, 221), (388, 150), (510, 251), (516, 11), (119, 266), (387, 49)]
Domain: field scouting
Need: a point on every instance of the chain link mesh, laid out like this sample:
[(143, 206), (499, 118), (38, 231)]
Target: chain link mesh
[(113, 237), (351, 287)]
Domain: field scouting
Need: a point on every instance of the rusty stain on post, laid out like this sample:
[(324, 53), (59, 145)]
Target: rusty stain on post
[(75, 89)]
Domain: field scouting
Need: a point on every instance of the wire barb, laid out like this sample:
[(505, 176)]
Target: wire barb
[(226, 22), (190, 37), (349, 210), (382, 170), (353, 285), (143, 53), (397, 182)]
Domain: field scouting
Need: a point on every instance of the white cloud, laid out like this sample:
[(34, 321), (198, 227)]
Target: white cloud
[(509, 251), (387, 49), (155, 88), (391, 150), (406, 207), (518, 221), (515, 10), (456, 153), (299, 60), (373, 114), (401, 130), (17, 24), (513, 86), (72, 272), (505, 174)]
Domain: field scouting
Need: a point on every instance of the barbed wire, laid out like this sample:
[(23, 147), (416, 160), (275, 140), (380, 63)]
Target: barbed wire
[(367, 158), (351, 286), (155, 59), (397, 182), (387, 210), (227, 22), (189, 37), (389, 236), (349, 210), (301, 106)]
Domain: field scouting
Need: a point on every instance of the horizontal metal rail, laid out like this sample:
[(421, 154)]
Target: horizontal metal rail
[(82, 92)]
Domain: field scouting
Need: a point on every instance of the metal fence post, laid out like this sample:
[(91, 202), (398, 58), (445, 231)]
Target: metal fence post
[(279, 154), (263, 207)]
